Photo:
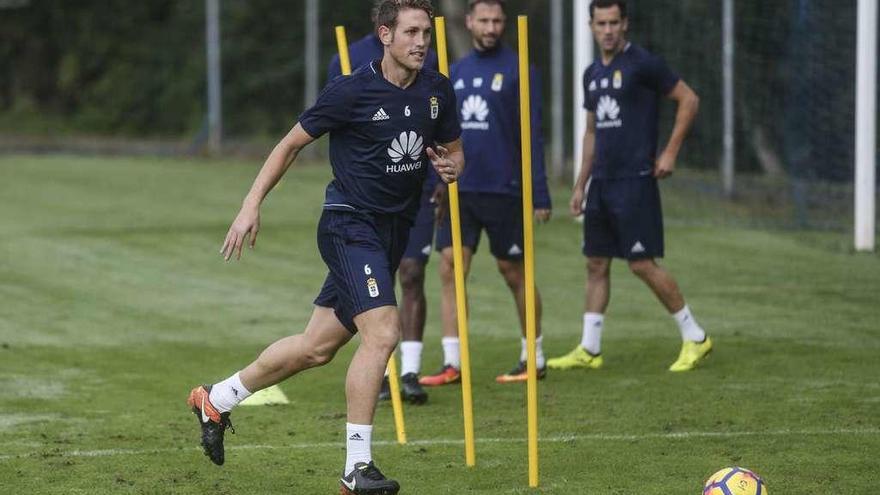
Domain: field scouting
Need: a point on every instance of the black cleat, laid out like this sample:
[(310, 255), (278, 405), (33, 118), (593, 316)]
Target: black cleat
[(366, 479), (412, 390), (213, 423), (385, 391)]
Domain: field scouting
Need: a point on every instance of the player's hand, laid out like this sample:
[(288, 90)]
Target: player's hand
[(246, 224), (440, 201), (576, 204), (664, 166), (446, 168), (543, 214)]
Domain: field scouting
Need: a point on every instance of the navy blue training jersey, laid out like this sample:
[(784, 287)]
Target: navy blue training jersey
[(487, 89), (362, 52), (378, 135), (625, 96)]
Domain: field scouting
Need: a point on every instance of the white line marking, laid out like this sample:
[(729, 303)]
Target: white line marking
[(684, 435)]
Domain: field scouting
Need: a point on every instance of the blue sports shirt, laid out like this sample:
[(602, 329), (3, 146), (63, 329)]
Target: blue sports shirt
[(625, 96), (487, 89), (378, 135)]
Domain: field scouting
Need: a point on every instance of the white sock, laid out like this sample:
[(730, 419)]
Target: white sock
[(228, 393), (451, 352), (539, 351), (690, 329), (357, 445), (591, 340), (410, 356)]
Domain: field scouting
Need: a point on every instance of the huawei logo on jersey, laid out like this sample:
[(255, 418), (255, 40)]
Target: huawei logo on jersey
[(474, 106), (607, 112), (406, 145)]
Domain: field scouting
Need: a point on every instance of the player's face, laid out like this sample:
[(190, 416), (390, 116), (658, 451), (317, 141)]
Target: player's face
[(486, 24), (409, 41), (609, 28)]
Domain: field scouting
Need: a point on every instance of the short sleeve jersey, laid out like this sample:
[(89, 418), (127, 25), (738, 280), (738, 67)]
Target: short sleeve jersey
[(378, 135), (625, 96)]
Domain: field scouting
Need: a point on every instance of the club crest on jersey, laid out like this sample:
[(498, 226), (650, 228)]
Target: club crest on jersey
[(617, 83), (497, 81), (435, 107), (373, 287)]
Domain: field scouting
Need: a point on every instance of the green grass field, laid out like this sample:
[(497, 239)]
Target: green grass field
[(114, 302)]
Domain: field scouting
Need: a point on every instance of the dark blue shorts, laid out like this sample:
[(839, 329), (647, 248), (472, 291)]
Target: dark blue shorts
[(421, 235), (362, 252), (499, 214), (623, 219)]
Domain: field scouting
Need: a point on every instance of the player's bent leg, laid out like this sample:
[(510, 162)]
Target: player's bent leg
[(451, 371), (513, 272), (323, 336)]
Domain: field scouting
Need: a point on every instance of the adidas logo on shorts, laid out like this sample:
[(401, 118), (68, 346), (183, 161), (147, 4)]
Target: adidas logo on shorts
[(637, 248), (380, 115)]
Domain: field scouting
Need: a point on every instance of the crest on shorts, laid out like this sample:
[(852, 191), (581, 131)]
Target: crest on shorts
[(435, 107), (373, 287)]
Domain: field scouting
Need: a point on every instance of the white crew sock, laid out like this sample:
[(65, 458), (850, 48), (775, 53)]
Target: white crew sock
[(410, 356), (357, 445), (690, 329), (228, 393), (539, 351), (591, 340), (451, 352)]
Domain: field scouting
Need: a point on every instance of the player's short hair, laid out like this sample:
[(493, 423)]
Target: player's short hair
[(604, 4), (472, 4), (385, 11)]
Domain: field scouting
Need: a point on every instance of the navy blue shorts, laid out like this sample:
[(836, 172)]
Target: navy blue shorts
[(421, 234), (623, 219), (362, 252), (499, 214)]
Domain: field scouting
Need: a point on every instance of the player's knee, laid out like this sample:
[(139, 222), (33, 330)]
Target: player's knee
[(412, 277), (447, 269), (642, 268), (319, 357), (512, 273), (598, 267)]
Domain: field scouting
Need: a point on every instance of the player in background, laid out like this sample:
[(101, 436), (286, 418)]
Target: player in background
[(622, 218), (486, 83), (384, 121), (411, 274)]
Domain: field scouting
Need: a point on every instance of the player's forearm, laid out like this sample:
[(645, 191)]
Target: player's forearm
[(586, 161), (684, 119), (273, 169)]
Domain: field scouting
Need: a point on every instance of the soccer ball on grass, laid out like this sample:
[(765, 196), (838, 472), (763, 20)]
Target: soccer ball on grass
[(734, 481)]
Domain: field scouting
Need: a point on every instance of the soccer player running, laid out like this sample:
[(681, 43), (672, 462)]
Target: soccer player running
[(411, 273), (622, 218), (383, 121), (487, 88)]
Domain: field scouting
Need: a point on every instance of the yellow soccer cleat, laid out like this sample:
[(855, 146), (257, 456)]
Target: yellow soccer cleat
[(692, 354), (578, 358)]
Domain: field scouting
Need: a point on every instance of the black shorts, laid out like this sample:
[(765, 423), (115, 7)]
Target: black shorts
[(623, 219), (499, 214), (421, 234), (362, 252)]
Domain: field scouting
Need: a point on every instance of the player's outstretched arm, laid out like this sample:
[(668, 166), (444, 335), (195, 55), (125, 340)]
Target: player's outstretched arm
[(247, 223), (688, 104), (448, 160)]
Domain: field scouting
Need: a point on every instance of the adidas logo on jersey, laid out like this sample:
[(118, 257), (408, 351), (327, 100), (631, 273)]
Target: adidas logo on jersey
[(474, 107), (607, 113), (380, 115)]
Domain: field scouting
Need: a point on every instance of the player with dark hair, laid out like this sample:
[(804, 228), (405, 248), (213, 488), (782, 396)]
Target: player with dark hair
[(622, 217), (486, 83), (387, 122)]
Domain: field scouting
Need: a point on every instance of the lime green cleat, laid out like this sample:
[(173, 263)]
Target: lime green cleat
[(692, 354), (578, 358)]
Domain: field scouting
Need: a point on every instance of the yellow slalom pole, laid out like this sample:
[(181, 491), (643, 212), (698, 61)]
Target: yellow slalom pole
[(396, 403), (460, 295), (529, 245)]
